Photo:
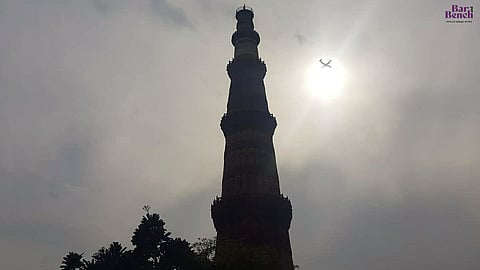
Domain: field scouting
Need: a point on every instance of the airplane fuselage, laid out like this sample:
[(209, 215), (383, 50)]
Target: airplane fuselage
[(326, 64)]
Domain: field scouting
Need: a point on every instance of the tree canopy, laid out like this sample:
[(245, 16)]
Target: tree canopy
[(154, 249)]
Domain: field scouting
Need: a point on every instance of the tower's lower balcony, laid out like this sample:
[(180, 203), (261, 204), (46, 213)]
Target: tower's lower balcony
[(248, 120), (252, 232), (255, 210)]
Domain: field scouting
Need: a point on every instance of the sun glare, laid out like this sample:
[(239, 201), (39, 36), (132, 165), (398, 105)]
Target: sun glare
[(325, 82)]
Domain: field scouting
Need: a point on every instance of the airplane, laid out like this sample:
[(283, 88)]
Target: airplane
[(326, 64)]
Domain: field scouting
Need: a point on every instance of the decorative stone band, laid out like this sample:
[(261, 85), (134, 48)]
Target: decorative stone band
[(246, 35), (248, 120), (264, 210), (246, 68)]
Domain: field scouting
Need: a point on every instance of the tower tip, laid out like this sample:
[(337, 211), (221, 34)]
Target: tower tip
[(244, 7)]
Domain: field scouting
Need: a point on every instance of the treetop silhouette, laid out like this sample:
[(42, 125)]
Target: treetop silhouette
[(154, 249)]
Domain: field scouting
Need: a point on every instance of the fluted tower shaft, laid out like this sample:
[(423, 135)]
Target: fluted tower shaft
[(252, 218)]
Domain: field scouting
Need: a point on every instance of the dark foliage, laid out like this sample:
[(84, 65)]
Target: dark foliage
[(149, 236), (72, 261), (154, 249), (205, 248), (115, 257)]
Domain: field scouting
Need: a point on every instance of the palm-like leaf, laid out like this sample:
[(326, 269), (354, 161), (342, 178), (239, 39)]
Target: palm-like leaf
[(112, 258), (72, 261)]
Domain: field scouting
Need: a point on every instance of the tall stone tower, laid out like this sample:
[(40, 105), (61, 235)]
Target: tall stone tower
[(252, 218)]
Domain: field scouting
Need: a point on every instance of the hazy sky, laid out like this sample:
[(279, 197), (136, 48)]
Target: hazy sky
[(108, 105)]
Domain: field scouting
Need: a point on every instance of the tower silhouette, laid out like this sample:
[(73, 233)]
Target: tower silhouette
[(252, 217)]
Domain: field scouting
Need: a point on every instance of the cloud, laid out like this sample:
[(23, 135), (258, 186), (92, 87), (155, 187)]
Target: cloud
[(417, 226), (171, 13), (300, 39), (101, 115), (102, 6), (417, 233)]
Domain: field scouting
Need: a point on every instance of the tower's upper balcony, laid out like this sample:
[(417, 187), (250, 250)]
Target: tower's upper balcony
[(245, 39)]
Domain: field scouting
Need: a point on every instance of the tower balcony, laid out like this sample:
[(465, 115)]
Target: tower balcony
[(248, 120), (265, 211)]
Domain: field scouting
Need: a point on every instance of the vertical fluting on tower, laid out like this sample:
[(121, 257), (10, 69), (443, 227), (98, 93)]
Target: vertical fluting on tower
[(252, 218)]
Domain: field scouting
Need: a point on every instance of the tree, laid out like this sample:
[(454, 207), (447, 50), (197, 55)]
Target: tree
[(154, 249), (205, 248), (177, 255), (72, 261), (114, 257), (148, 237)]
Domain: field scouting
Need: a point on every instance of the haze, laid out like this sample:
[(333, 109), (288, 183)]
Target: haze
[(106, 106)]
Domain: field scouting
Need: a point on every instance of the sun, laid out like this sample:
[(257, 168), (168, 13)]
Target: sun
[(325, 82)]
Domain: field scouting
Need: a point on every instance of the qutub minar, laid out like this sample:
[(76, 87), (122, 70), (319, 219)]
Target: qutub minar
[(252, 217)]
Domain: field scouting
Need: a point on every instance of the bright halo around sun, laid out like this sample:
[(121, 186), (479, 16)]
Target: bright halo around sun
[(325, 82)]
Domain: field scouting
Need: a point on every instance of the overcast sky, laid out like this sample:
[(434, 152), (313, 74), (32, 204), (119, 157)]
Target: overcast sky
[(108, 105)]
